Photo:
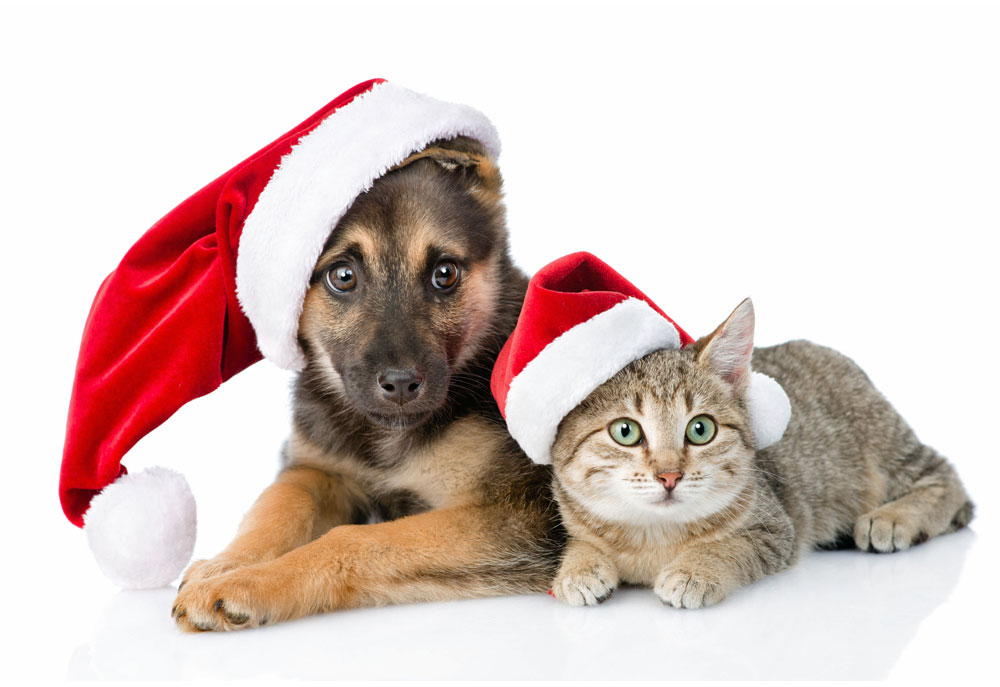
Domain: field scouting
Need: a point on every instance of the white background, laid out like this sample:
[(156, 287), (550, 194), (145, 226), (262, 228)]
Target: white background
[(838, 162)]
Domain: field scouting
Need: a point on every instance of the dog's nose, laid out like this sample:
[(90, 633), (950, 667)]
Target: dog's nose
[(669, 480), (400, 386)]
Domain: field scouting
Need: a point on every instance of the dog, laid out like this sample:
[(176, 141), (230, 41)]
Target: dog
[(399, 482)]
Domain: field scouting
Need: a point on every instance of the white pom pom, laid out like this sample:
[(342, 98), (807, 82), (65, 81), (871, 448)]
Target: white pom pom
[(142, 528), (770, 409)]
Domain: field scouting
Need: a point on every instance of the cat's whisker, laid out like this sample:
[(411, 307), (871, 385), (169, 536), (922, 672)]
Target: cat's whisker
[(767, 473)]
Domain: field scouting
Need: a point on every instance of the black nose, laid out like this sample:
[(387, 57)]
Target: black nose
[(400, 386)]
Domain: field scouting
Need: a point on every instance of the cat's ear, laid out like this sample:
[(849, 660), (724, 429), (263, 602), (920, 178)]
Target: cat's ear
[(728, 349)]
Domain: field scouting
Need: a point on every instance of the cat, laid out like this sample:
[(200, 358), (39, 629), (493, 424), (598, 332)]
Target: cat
[(658, 482)]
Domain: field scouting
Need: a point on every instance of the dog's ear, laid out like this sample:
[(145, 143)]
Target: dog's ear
[(467, 159)]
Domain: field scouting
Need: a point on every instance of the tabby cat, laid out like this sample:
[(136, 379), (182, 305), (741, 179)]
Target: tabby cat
[(659, 484)]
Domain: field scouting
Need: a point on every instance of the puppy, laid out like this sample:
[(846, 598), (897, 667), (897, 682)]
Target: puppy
[(400, 482)]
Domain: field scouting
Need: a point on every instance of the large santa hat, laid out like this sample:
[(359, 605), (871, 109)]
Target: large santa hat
[(207, 291), (582, 323)]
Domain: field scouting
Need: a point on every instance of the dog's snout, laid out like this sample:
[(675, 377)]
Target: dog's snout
[(400, 386)]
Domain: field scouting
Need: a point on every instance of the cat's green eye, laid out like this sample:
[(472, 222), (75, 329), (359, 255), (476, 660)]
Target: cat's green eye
[(625, 432), (700, 430)]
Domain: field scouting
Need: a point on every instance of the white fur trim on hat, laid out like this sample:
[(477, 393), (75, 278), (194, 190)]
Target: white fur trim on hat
[(142, 527), (574, 364), (315, 185), (770, 409)]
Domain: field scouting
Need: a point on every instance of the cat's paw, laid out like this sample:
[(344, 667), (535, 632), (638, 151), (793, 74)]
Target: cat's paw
[(885, 530), (585, 585), (682, 589)]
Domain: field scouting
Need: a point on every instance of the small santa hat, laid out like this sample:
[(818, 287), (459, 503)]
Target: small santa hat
[(582, 323), (209, 289)]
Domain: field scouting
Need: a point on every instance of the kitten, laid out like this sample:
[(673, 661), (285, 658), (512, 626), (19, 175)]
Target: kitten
[(659, 484)]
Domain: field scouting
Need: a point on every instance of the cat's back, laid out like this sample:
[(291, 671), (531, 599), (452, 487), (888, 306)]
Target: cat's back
[(827, 466), (829, 390), (811, 371)]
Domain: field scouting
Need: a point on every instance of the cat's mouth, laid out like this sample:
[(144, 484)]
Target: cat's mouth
[(666, 499)]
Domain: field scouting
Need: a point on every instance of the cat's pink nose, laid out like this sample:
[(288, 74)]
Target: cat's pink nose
[(669, 480)]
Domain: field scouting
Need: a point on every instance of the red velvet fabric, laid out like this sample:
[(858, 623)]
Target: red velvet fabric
[(165, 326), (563, 294)]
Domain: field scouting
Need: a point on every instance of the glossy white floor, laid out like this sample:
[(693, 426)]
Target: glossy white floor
[(840, 615), (836, 161)]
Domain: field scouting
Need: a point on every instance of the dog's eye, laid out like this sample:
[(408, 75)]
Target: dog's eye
[(445, 275), (340, 278)]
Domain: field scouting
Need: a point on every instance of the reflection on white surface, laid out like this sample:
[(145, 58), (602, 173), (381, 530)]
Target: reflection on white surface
[(838, 615)]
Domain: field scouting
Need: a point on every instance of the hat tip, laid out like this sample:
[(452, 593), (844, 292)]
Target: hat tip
[(770, 409), (142, 528)]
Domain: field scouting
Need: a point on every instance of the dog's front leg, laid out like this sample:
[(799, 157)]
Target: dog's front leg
[(302, 503), (443, 554)]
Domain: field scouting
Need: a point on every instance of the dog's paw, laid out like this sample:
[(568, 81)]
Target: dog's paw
[(585, 586), (229, 601), (884, 530), (209, 567), (683, 589)]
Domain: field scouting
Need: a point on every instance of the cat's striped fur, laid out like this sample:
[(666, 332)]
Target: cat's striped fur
[(848, 468)]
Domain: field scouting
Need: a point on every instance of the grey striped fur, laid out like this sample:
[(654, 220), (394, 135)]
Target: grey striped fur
[(848, 471)]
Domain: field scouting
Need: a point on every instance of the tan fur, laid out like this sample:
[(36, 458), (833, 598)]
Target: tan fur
[(482, 292), (448, 473), (453, 551), (478, 517), (357, 234), (450, 478), (419, 558), (288, 514)]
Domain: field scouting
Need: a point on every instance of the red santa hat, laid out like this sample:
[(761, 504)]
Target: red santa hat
[(212, 287), (582, 323)]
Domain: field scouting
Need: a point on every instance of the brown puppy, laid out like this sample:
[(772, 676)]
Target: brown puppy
[(410, 303)]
